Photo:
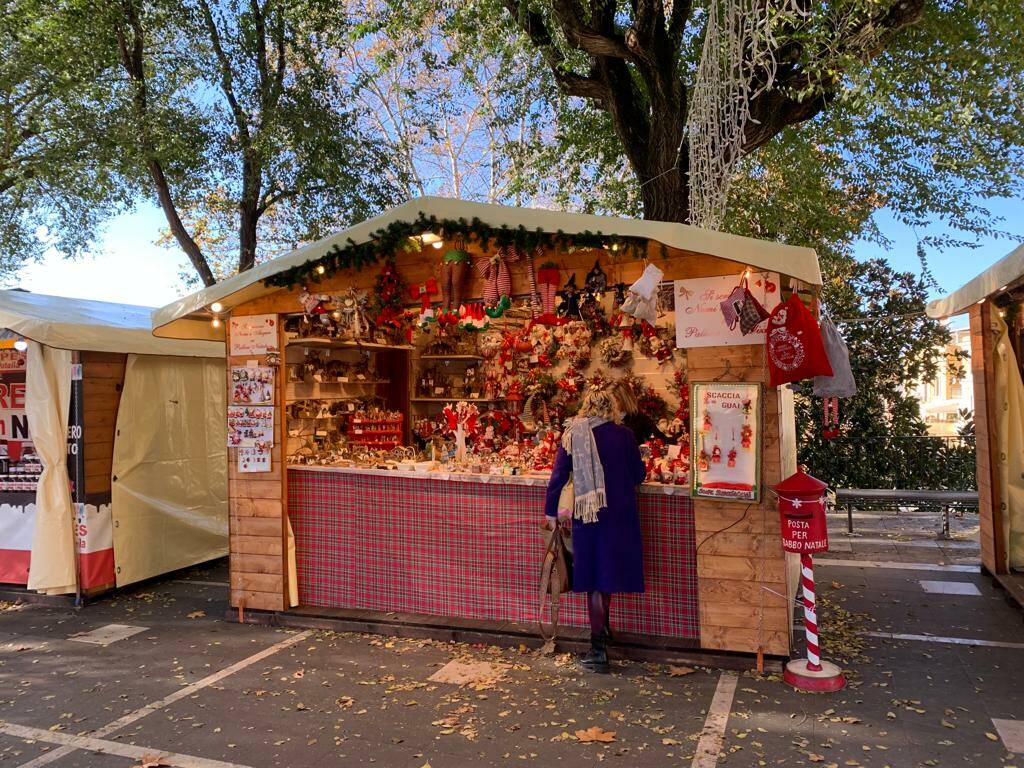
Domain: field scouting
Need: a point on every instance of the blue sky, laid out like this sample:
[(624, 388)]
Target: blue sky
[(128, 267)]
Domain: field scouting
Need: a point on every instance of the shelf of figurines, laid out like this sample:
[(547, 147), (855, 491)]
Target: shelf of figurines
[(326, 343)]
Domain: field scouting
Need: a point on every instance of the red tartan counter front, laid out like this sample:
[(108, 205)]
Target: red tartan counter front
[(469, 549)]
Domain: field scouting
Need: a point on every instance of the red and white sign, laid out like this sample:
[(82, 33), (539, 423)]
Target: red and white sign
[(802, 510), (12, 360), (17, 524), (94, 533), (699, 319), (254, 335)]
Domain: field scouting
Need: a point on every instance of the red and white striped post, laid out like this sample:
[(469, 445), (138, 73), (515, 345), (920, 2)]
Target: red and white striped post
[(804, 531), (810, 612)]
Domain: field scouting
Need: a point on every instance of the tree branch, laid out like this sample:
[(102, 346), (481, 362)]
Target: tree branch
[(133, 60), (587, 38), (571, 83), (226, 74)]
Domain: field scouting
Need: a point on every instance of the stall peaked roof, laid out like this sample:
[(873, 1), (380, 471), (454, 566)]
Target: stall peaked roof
[(96, 326), (179, 320), (1007, 271)]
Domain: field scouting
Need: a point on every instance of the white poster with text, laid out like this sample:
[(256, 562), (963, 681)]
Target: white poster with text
[(699, 318)]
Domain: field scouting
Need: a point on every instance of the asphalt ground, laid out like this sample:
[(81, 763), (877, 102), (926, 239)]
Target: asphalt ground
[(194, 690)]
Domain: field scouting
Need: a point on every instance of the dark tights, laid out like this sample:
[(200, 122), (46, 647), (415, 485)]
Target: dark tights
[(598, 605)]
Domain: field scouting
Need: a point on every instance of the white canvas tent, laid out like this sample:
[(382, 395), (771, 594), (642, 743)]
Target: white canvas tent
[(127, 430), (994, 301)]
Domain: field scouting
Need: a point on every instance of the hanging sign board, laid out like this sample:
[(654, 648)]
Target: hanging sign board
[(725, 429), (253, 460), (253, 335), (250, 426), (699, 318), (252, 385)]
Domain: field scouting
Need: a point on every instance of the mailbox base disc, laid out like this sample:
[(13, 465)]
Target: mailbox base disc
[(825, 680)]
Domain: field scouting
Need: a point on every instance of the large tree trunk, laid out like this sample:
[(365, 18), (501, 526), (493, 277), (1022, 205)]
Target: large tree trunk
[(248, 220), (666, 197)]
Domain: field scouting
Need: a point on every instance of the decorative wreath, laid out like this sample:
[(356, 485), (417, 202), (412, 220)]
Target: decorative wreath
[(613, 353)]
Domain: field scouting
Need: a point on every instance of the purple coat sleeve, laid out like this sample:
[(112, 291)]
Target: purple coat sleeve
[(559, 477)]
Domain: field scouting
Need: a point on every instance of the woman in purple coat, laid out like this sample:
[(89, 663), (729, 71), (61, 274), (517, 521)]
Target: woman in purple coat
[(606, 468)]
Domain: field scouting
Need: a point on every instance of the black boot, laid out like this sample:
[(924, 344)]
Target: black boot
[(596, 660)]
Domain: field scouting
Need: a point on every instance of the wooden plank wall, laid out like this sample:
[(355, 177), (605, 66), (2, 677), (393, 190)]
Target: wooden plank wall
[(256, 519), (733, 565), (102, 382), (993, 546), (739, 545)]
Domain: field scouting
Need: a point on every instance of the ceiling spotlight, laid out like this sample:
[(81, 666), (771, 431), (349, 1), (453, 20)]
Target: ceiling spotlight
[(439, 245), (21, 345), (320, 269), (215, 322), (216, 307), (429, 238)]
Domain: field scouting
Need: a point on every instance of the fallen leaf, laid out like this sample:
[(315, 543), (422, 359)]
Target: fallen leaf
[(670, 742), (674, 671), (196, 615), (595, 733), (991, 736)]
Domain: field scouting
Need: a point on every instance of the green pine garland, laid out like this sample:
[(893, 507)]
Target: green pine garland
[(395, 236)]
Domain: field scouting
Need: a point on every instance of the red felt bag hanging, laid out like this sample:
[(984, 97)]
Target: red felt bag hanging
[(794, 346)]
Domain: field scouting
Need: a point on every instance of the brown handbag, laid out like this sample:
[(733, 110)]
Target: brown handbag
[(555, 574)]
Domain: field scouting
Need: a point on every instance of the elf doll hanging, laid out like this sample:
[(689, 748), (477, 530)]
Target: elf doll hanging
[(548, 278), (455, 268)]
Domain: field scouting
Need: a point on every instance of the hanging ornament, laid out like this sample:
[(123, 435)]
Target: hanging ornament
[(596, 281), (423, 292), (548, 277), (570, 296), (746, 433), (830, 418), (731, 462), (455, 268), (716, 455), (642, 301)]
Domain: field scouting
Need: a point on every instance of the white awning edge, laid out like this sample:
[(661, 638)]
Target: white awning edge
[(794, 261), (95, 326), (1004, 272)]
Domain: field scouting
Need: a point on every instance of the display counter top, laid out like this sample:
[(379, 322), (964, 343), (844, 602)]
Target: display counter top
[(532, 479)]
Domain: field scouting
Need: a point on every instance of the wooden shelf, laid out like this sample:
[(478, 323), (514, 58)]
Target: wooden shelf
[(454, 399), (353, 382), (450, 357), (325, 343)]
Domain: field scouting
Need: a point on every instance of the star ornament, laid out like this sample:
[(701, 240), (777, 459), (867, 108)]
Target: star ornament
[(796, 503)]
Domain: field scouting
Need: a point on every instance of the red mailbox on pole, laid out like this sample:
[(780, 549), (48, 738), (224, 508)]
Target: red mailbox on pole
[(805, 531), (802, 507)]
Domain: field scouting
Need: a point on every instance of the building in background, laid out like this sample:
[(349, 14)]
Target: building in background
[(951, 390)]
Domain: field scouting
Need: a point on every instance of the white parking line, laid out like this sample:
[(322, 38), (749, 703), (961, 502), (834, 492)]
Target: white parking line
[(896, 566), (712, 736), (962, 588), (102, 746), (166, 701), (946, 640)]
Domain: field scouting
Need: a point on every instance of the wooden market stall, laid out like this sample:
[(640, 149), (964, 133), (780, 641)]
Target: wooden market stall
[(112, 466), (994, 302), (351, 386)]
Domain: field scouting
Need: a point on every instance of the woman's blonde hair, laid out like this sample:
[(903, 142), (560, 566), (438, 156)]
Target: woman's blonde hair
[(598, 402), (624, 393)]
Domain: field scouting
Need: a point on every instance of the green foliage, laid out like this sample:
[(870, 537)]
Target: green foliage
[(60, 177), (894, 346), (396, 235)]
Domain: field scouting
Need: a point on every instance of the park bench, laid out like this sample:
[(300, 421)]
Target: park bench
[(944, 500)]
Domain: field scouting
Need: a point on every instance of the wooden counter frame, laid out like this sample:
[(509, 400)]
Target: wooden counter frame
[(742, 569)]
